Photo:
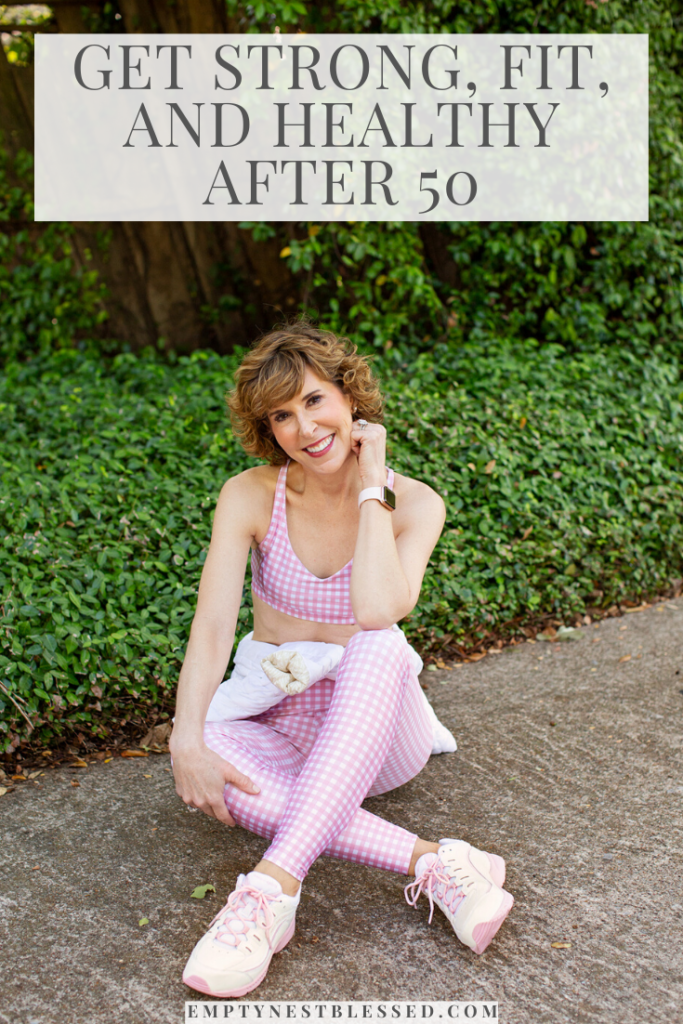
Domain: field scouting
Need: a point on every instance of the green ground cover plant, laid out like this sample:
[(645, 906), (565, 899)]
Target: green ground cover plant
[(561, 476)]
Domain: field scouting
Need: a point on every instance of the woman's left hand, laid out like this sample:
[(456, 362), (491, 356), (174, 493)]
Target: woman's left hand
[(368, 443)]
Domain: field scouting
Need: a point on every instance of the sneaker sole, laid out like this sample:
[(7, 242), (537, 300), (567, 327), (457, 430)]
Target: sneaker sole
[(483, 933), (197, 983)]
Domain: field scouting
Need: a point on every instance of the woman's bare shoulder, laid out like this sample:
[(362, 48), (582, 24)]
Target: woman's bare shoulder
[(415, 490), (249, 495), (418, 499), (253, 481)]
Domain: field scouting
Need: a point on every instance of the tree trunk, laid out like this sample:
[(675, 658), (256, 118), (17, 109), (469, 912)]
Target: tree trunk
[(191, 284)]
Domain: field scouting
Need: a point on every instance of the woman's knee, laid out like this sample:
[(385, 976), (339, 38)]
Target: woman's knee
[(388, 645), (375, 666)]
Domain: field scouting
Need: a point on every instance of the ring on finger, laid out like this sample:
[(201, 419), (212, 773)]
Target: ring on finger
[(362, 424)]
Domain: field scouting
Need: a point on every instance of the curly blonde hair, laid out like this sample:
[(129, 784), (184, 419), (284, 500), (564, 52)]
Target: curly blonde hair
[(273, 372)]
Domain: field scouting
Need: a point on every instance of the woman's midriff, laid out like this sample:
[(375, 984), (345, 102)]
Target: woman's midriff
[(274, 627)]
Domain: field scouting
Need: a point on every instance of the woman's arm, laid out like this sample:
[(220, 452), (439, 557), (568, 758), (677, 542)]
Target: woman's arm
[(201, 774), (389, 564)]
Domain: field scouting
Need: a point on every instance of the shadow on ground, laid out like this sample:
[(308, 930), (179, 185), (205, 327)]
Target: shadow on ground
[(569, 765)]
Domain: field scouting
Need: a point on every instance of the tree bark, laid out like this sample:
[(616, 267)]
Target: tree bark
[(435, 241), (181, 16)]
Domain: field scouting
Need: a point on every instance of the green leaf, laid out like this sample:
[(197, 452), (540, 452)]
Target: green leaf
[(200, 892)]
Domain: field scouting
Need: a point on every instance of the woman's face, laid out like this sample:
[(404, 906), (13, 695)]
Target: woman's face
[(314, 427)]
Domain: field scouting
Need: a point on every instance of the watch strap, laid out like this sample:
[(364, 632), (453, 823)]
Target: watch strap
[(380, 493), (370, 492)]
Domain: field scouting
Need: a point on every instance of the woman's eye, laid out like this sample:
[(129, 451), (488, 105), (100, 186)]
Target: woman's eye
[(315, 398)]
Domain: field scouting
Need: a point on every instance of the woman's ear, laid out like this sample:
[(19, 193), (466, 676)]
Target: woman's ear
[(353, 405)]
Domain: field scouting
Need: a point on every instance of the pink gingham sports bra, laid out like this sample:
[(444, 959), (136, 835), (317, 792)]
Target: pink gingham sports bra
[(281, 579)]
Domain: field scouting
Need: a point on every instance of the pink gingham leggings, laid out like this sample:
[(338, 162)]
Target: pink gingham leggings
[(317, 755)]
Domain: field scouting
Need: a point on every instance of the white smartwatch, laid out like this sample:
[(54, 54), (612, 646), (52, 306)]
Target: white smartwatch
[(384, 495)]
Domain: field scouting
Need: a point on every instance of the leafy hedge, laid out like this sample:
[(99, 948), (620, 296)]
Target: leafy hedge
[(109, 475), (561, 476)]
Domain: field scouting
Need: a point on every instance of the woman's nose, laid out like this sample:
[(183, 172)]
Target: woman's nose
[(307, 425)]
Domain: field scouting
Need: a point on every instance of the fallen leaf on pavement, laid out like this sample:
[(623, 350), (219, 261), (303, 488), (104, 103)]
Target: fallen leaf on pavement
[(74, 783), (134, 753), (143, 921), (561, 945), (627, 657), (640, 608), (108, 759), (475, 657), (568, 633), (201, 891), (157, 738), (3, 790), (18, 778), (34, 775), (77, 764)]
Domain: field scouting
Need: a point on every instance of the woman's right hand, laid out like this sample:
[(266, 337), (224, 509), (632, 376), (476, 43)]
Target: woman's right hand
[(201, 776)]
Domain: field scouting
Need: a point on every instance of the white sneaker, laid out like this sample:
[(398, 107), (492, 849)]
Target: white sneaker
[(234, 955), (465, 883)]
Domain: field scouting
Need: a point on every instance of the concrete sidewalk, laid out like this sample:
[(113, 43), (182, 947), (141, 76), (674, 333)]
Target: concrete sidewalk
[(569, 765)]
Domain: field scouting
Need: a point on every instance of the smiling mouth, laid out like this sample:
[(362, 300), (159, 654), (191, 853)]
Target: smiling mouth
[(320, 446)]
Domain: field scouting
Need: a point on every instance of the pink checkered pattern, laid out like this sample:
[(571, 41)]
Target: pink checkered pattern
[(283, 582), (317, 755)]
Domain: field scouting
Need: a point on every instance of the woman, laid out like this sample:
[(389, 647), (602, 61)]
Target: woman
[(339, 545)]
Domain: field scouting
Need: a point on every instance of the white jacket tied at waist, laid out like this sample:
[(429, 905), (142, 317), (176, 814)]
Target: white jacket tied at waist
[(265, 674)]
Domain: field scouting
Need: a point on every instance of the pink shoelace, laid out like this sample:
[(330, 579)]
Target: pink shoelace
[(435, 882), (241, 913)]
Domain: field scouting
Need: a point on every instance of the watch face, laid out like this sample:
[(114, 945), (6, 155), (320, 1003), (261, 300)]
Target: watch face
[(389, 498)]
